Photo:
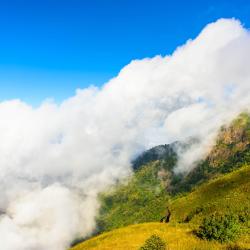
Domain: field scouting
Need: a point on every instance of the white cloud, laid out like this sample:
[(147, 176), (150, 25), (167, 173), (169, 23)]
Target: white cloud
[(55, 159)]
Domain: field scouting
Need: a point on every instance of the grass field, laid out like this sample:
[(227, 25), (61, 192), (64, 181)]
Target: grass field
[(177, 237)]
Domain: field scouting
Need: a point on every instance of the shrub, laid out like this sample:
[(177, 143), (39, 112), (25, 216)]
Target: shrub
[(221, 228), (154, 242)]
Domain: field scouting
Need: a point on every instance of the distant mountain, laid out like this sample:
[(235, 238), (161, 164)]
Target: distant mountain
[(163, 153)]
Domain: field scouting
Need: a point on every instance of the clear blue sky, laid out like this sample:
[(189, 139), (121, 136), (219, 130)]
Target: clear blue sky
[(48, 48)]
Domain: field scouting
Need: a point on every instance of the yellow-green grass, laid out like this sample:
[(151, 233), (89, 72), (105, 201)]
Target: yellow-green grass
[(177, 237), (229, 193)]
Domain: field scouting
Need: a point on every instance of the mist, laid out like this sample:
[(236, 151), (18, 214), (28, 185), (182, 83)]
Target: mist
[(56, 159)]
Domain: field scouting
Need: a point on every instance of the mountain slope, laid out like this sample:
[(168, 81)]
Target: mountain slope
[(164, 153), (218, 184), (229, 193), (231, 151), (142, 199)]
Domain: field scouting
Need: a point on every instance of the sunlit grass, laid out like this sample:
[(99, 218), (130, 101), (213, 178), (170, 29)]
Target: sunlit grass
[(177, 237)]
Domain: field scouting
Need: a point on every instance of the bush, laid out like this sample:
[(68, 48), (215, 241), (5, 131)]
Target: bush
[(221, 228), (154, 242)]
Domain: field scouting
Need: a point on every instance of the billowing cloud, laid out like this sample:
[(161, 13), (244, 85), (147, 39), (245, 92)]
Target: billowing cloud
[(55, 159)]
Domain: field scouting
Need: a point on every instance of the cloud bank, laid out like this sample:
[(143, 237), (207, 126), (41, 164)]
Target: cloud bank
[(55, 159)]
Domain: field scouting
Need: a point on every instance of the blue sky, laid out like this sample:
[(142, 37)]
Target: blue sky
[(49, 48)]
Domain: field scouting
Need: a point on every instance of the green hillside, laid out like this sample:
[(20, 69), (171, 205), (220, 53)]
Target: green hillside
[(142, 199), (218, 185), (145, 195), (228, 194)]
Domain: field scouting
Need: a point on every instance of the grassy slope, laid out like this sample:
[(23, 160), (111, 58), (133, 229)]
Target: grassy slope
[(132, 237), (229, 193)]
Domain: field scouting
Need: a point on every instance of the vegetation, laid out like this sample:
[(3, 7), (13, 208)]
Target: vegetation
[(231, 151), (133, 237), (212, 200), (154, 242), (142, 199), (164, 153), (221, 228), (227, 194)]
